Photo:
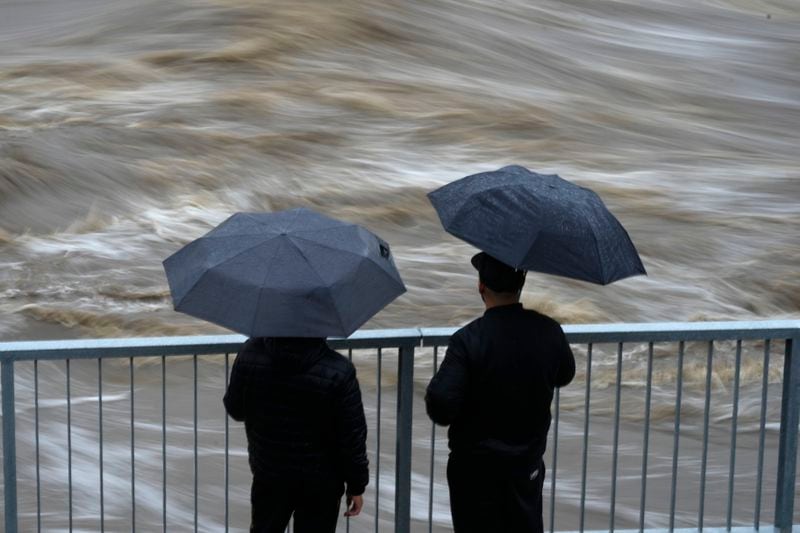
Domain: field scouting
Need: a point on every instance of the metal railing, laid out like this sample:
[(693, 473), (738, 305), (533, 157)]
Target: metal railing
[(635, 440)]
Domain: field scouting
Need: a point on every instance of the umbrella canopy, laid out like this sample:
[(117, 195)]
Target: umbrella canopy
[(292, 273), (538, 222)]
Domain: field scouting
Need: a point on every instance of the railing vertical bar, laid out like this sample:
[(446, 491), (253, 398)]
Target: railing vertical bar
[(676, 435), (404, 429), (555, 462), (347, 519), (164, 443), (69, 443), (100, 429), (787, 447), (133, 453), (734, 424), (9, 446), (227, 452), (433, 450), (586, 434), (616, 438), (646, 443), (706, 420), (194, 375), (378, 444), (762, 434), (36, 430)]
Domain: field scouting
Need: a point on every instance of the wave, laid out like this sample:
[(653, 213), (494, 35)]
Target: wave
[(151, 121), (107, 324)]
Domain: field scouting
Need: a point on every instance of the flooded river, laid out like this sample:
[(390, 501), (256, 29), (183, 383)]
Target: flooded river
[(129, 128)]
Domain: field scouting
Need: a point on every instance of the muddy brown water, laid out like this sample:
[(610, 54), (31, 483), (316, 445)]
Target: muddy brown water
[(128, 129)]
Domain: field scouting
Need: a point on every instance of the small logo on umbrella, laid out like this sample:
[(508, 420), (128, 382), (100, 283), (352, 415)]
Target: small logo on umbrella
[(385, 250)]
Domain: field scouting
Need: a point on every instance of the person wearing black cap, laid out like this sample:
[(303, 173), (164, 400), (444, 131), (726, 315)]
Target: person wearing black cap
[(494, 390)]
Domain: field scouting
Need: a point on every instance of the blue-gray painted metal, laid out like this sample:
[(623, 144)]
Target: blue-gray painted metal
[(378, 441), (227, 452), (347, 519), (691, 530), (164, 444), (100, 430), (646, 443), (69, 443), (676, 435), (656, 332), (787, 450), (194, 425), (9, 447), (433, 451), (615, 457), (36, 431), (215, 344), (762, 433), (734, 425), (586, 434), (405, 403), (555, 464), (706, 416), (133, 455), (61, 350)]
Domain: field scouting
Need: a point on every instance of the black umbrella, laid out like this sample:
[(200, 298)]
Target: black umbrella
[(292, 273), (538, 222)]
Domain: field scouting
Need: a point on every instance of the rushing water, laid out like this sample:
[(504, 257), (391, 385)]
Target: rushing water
[(128, 129)]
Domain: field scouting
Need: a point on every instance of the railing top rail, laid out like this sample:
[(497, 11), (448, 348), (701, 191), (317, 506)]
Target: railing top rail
[(657, 331), (181, 345), (214, 344)]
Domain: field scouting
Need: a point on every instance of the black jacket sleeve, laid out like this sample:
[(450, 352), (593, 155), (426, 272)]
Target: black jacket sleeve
[(447, 391), (234, 399), (566, 361), (351, 436)]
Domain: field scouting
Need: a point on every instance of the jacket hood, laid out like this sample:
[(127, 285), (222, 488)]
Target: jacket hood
[(294, 354)]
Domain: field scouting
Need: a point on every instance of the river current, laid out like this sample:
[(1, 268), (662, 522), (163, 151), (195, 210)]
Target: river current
[(129, 128)]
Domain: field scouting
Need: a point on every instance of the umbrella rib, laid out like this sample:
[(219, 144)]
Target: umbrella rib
[(261, 289), (317, 230), (328, 246), (599, 255), (383, 271), (323, 245), (334, 223), (237, 235), (314, 269)]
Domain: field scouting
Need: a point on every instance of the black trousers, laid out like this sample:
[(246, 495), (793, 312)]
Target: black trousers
[(315, 509), (490, 495)]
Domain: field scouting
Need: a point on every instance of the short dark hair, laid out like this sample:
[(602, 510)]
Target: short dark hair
[(497, 275)]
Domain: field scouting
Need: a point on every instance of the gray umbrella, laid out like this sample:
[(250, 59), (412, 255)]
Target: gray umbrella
[(292, 273), (538, 222)]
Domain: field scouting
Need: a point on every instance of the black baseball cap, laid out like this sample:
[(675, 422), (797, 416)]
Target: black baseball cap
[(497, 275)]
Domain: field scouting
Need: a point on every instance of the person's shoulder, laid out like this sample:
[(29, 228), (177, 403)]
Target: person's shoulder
[(252, 351), (470, 328), (253, 344), (335, 363), (542, 320), (465, 337)]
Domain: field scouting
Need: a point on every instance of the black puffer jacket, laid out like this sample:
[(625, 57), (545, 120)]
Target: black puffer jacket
[(496, 383), (302, 410)]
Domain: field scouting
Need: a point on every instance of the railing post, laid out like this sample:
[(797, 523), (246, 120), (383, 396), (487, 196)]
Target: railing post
[(9, 446), (787, 451), (405, 401)]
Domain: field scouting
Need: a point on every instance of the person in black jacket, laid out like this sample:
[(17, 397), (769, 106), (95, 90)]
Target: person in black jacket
[(494, 390), (306, 432)]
